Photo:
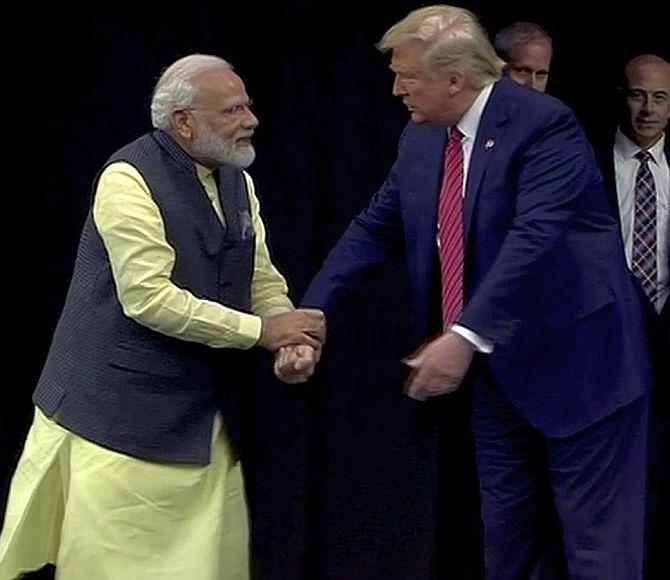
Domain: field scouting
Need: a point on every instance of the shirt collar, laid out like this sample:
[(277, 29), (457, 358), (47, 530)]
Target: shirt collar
[(204, 173), (627, 148), (469, 122)]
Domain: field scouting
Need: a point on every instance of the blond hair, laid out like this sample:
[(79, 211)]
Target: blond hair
[(454, 39)]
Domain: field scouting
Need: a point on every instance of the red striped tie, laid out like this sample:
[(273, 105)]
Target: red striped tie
[(450, 229)]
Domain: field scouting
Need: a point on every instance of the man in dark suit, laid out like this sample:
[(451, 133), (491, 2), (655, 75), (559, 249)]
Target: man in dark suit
[(517, 279), (637, 167), (638, 178)]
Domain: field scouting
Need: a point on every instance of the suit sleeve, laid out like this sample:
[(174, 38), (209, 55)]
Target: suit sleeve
[(370, 240), (553, 172)]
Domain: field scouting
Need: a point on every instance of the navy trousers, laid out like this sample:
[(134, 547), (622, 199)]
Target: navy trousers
[(588, 487)]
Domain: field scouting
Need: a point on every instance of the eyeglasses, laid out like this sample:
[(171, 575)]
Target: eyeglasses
[(234, 111)]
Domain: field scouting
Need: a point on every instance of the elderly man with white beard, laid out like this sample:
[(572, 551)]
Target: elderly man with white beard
[(130, 469)]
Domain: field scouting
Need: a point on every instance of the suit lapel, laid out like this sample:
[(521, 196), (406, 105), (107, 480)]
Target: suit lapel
[(425, 176), (488, 135)]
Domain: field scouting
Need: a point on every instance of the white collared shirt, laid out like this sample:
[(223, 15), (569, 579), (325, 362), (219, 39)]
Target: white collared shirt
[(468, 126), (626, 167)]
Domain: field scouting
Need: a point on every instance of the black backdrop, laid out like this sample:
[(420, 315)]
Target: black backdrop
[(346, 477)]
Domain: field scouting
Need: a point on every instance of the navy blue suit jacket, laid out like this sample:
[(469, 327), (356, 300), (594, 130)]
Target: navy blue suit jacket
[(545, 277)]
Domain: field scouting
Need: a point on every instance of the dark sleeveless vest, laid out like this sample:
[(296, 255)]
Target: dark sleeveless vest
[(129, 388)]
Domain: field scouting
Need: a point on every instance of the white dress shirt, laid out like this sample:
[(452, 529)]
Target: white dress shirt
[(468, 126), (625, 168)]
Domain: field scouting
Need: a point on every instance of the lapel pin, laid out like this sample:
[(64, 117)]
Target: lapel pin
[(489, 144)]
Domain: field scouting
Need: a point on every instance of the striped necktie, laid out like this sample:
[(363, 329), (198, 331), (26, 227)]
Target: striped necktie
[(450, 229)]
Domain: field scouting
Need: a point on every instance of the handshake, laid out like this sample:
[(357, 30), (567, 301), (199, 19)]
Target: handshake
[(296, 338)]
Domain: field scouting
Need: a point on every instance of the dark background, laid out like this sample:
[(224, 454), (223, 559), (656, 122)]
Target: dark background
[(347, 478)]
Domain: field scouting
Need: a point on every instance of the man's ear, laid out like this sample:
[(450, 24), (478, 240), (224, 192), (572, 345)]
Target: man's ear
[(181, 124), (456, 81)]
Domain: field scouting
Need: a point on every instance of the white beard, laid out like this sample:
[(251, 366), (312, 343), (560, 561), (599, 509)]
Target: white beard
[(210, 146)]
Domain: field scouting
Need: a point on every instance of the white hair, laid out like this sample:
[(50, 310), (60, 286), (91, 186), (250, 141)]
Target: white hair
[(174, 89)]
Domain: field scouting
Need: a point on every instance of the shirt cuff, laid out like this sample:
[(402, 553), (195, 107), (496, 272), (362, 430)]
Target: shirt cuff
[(249, 330), (480, 343)]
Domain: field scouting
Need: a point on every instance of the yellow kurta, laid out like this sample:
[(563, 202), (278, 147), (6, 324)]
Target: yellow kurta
[(102, 515)]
